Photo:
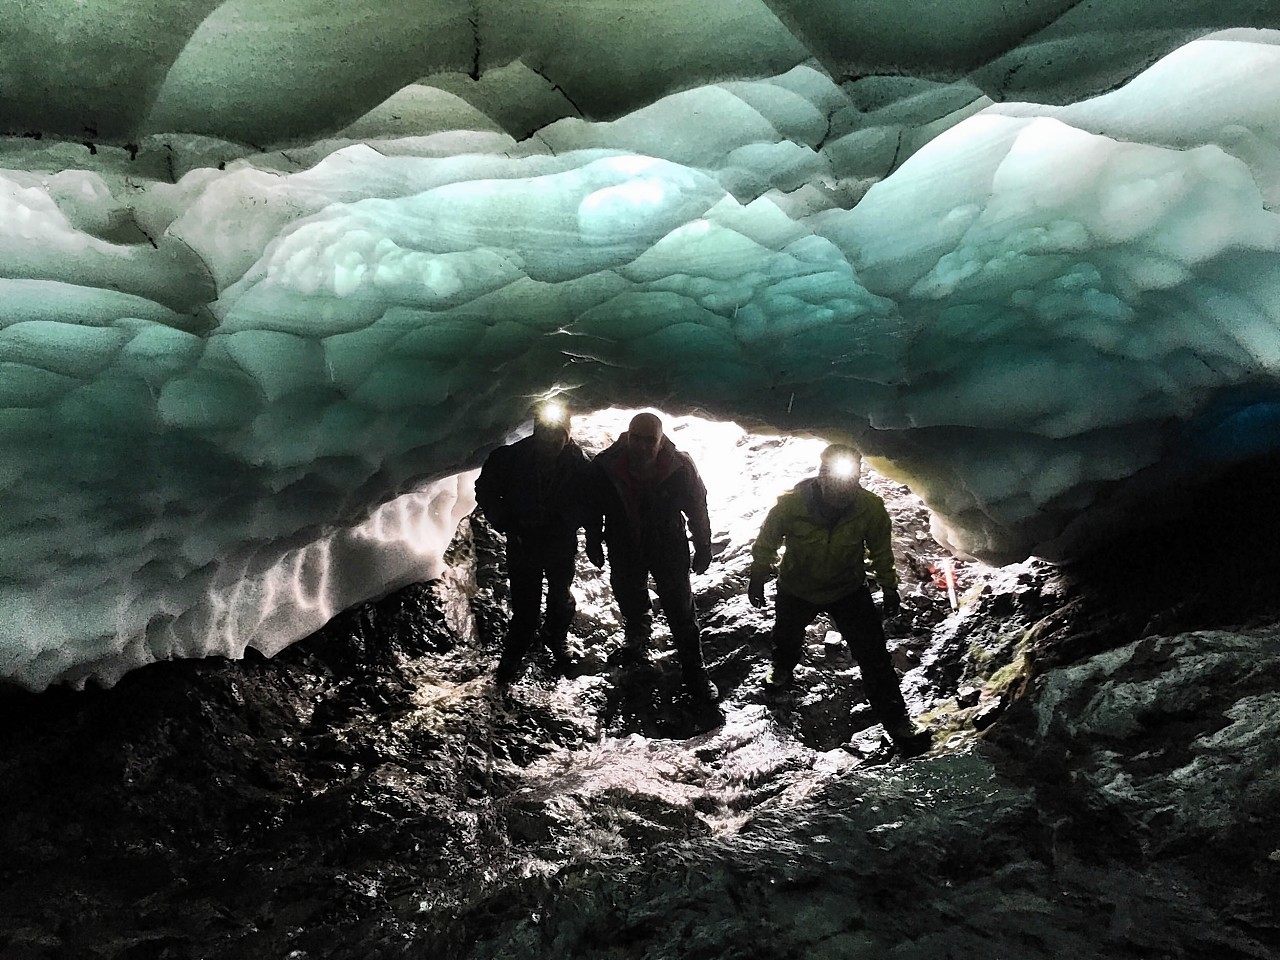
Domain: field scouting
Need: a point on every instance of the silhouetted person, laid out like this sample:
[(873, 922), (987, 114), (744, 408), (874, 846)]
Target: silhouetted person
[(533, 491), (646, 493), (829, 525)]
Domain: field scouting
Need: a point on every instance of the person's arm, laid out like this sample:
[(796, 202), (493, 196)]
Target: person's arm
[(490, 489), (699, 519), (880, 547), (593, 512), (764, 554), (573, 492)]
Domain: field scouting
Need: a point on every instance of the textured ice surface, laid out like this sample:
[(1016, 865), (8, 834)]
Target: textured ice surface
[(238, 385)]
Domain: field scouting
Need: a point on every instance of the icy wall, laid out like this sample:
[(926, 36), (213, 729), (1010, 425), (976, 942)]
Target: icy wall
[(274, 276)]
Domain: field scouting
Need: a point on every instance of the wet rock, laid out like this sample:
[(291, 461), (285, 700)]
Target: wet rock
[(1102, 786)]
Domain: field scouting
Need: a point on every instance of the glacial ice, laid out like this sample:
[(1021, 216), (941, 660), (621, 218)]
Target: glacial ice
[(242, 388)]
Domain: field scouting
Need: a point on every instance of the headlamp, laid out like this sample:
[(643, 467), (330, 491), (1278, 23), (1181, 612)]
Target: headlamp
[(842, 468), (553, 414)]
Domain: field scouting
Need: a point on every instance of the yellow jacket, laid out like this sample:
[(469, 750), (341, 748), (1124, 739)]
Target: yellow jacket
[(823, 562)]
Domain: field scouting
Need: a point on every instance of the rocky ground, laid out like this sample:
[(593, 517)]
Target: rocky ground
[(1104, 783)]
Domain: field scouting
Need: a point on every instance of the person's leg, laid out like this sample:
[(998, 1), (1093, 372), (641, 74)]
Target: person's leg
[(524, 572), (858, 621), (791, 617), (671, 580), (559, 557), (629, 580)]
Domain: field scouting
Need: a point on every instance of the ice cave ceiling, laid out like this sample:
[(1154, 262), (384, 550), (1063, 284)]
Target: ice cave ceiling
[(275, 272)]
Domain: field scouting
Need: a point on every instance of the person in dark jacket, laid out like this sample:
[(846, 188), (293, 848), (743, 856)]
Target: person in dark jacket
[(830, 525), (646, 492), (532, 491)]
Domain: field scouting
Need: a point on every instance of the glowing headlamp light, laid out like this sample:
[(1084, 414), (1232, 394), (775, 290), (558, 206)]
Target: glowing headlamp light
[(553, 414), (842, 468)]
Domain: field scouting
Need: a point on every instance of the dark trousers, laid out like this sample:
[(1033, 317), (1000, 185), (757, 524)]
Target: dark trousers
[(629, 572), (858, 622), (530, 561)]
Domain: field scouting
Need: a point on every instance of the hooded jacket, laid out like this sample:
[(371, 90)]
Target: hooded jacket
[(650, 513), (826, 551)]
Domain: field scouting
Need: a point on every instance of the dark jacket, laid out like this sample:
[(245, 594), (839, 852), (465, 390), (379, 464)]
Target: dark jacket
[(516, 499), (651, 515)]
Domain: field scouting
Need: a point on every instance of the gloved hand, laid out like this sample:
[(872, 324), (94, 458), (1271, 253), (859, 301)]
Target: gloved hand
[(755, 591), (595, 553), (701, 559), (890, 601)]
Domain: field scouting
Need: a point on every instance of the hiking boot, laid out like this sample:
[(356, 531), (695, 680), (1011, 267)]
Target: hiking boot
[(506, 674), (777, 681), (911, 742), (566, 665), (703, 689), (629, 656), (637, 643)]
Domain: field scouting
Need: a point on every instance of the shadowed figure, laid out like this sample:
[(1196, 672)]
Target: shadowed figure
[(533, 491), (828, 526), (647, 500)]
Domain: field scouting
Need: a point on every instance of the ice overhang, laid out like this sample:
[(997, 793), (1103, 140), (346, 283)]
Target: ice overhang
[(270, 268)]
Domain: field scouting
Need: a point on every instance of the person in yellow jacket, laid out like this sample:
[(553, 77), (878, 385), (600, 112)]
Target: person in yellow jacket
[(829, 526)]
